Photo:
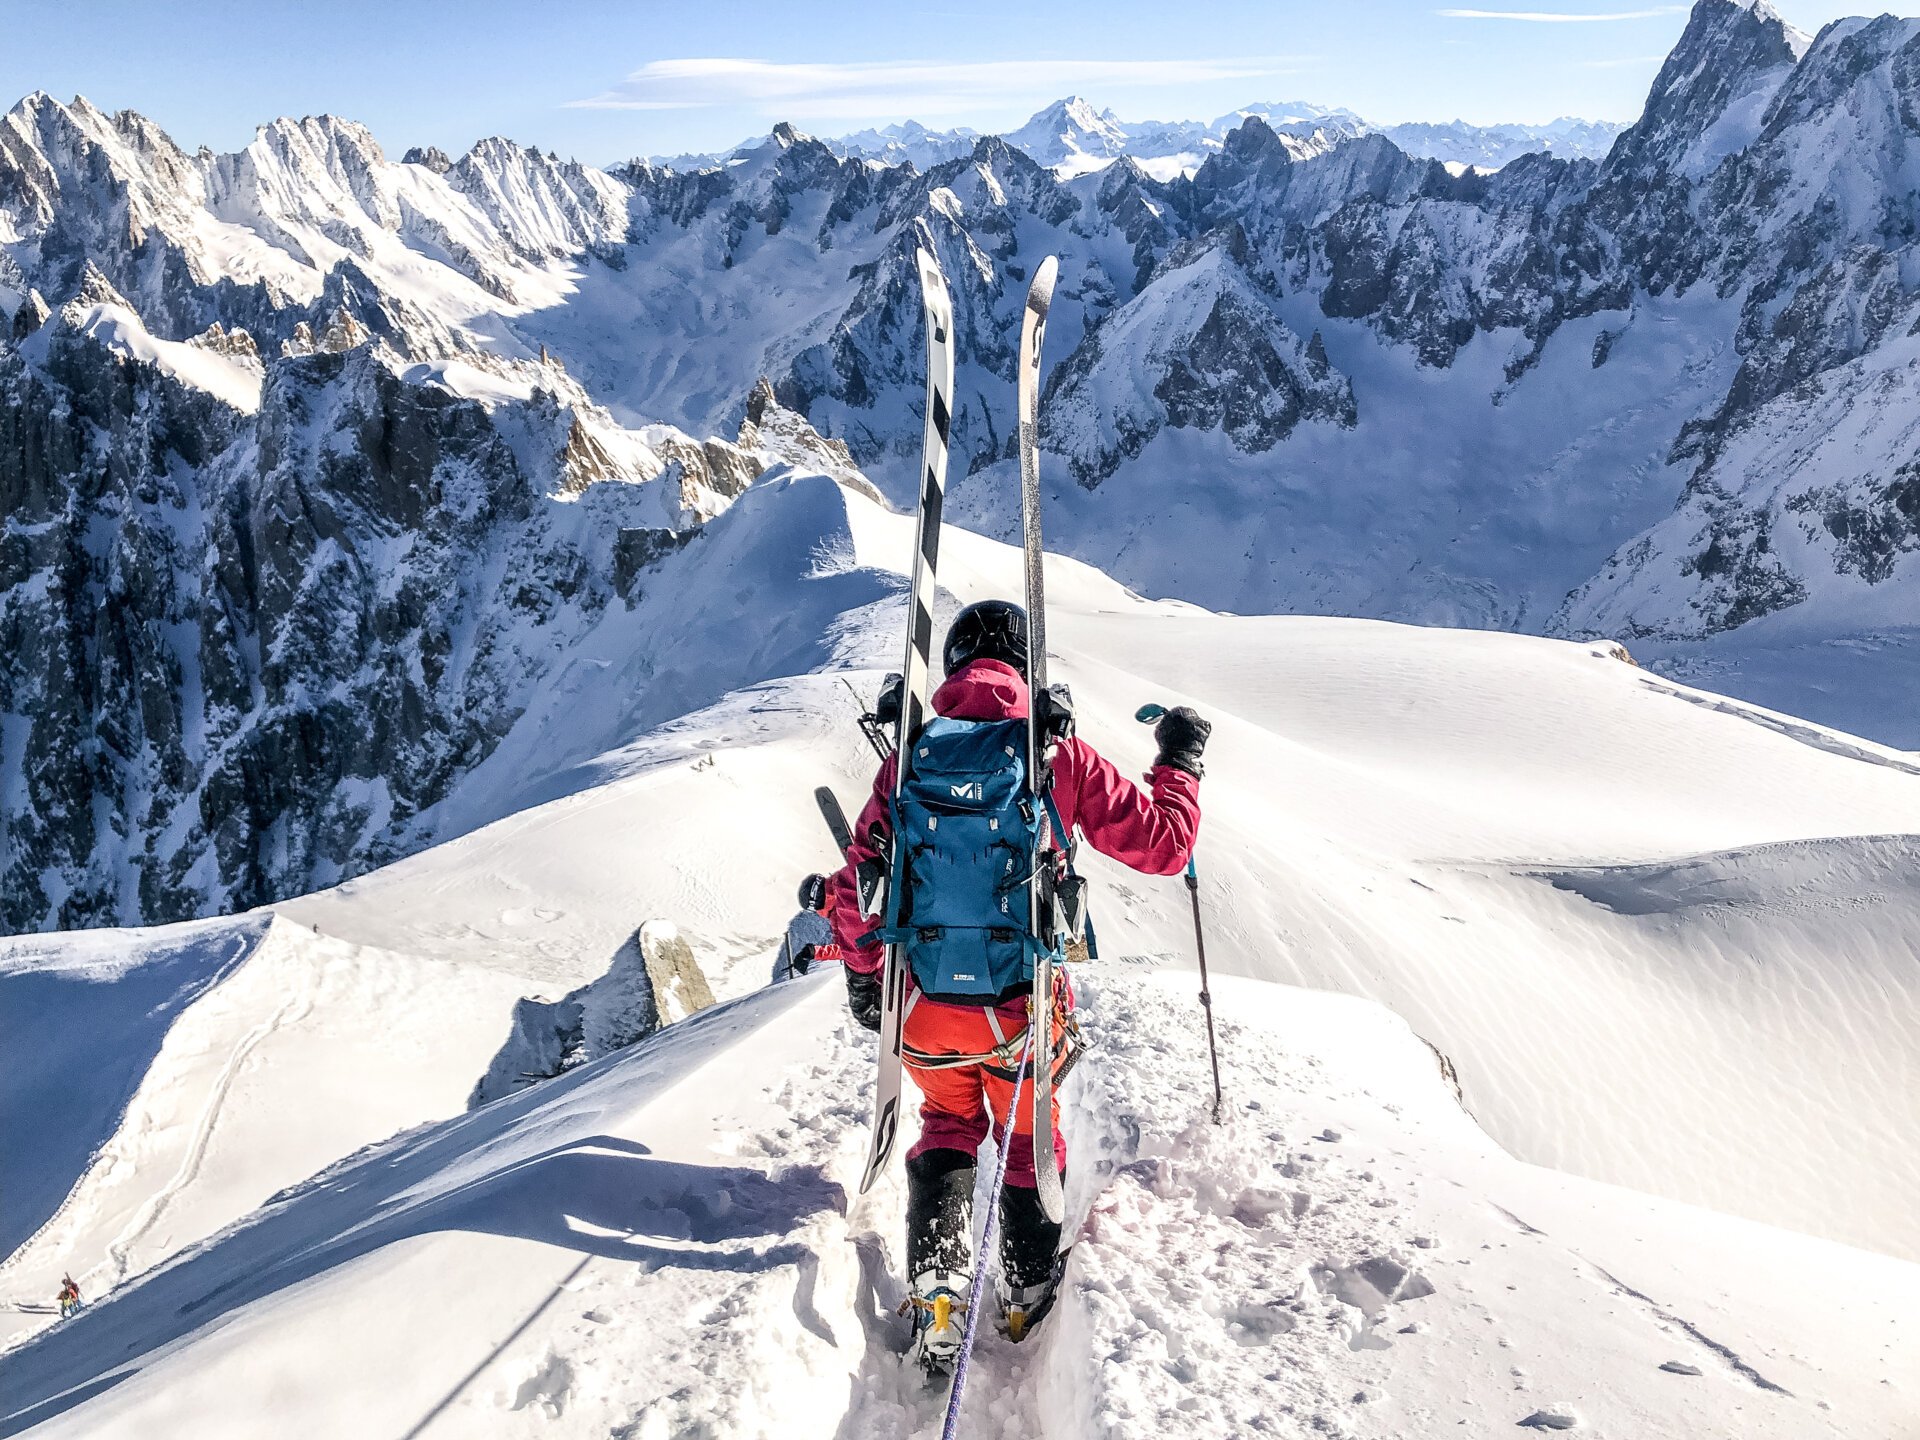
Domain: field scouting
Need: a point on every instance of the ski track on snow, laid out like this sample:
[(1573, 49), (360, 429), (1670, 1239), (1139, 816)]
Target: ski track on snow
[(296, 1008)]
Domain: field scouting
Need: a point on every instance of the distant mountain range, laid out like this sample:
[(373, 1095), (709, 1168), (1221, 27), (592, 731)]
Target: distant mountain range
[(1071, 137)]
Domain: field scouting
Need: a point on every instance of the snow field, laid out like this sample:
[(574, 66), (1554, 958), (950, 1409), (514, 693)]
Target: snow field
[(234, 381), (1417, 816), (665, 1243), (287, 1050), (1662, 938)]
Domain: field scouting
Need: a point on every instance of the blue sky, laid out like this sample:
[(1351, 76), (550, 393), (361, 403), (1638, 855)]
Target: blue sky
[(604, 81)]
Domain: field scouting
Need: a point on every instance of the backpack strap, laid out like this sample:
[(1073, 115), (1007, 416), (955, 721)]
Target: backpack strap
[(1053, 816)]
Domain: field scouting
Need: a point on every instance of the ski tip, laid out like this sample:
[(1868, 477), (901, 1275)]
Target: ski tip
[(1045, 274), (930, 272)]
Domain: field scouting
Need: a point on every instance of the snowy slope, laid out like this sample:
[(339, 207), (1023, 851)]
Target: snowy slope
[(1662, 939), (665, 1244), (173, 1061), (1443, 807)]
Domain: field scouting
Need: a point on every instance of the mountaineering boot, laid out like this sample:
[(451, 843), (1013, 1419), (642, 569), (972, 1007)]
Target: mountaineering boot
[(940, 1211), (1030, 1261), (939, 1252), (939, 1302)]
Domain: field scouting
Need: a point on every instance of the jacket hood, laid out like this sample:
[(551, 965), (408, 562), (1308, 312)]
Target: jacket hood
[(983, 690)]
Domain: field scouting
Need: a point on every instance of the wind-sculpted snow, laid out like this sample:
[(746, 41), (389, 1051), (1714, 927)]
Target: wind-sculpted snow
[(91, 1017), (156, 1073)]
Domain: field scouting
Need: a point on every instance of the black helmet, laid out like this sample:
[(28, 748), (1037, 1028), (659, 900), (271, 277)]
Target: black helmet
[(813, 893), (990, 630)]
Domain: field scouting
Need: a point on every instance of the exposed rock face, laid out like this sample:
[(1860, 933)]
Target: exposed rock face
[(770, 429), (31, 315), (1201, 349), (431, 156), (244, 650), (235, 344)]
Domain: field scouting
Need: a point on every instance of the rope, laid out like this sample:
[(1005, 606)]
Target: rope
[(948, 1429)]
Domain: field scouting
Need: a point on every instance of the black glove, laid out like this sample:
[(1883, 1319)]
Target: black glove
[(1182, 735), (802, 960), (863, 998), (1056, 712)]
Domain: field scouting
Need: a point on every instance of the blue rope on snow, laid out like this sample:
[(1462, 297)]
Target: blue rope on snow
[(948, 1429)]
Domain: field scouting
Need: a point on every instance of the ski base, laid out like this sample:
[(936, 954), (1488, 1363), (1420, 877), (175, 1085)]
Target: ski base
[(938, 306)]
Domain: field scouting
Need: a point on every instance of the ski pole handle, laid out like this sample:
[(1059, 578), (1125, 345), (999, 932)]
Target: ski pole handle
[(1150, 714)]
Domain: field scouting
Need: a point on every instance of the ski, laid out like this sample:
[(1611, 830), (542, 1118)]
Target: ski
[(1033, 333), (835, 817), (870, 876), (918, 670)]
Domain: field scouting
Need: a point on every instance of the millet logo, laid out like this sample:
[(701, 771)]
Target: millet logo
[(969, 791)]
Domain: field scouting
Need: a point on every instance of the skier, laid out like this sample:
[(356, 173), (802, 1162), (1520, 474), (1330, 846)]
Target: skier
[(964, 1056), (809, 938), (69, 1296)]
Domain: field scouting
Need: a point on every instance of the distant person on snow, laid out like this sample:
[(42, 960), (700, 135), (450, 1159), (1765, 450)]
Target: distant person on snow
[(69, 1296), (963, 1053), (809, 939)]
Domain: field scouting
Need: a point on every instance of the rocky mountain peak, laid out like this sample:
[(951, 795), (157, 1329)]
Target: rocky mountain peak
[(31, 315), (1069, 128), (431, 156), (1711, 94), (96, 289), (1252, 141), (780, 435)]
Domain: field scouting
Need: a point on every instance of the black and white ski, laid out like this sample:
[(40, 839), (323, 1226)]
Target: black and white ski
[(918, 670), (870, 876), (1033, 333)]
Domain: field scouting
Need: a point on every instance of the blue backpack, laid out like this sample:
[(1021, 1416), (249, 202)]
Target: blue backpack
[(966, 831)]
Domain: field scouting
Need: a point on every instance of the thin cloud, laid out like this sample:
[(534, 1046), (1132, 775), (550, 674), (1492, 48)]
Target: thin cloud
[(894, 87), (1562, 17)]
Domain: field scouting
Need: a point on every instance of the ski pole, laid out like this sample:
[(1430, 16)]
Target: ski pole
[(1148, 714), (869, 723)]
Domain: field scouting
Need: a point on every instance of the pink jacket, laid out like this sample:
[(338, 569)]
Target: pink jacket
[(1152, 832)]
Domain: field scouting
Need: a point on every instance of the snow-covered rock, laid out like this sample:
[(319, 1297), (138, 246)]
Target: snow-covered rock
[(1201, 348)]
